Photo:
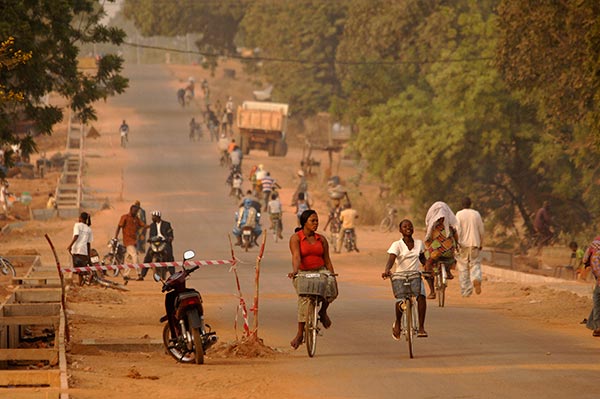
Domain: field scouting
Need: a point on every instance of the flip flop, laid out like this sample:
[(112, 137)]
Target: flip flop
[(396, 337), (422, 334)]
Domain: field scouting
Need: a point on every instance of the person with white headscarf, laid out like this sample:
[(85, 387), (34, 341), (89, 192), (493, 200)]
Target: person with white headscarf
[(441, 240)]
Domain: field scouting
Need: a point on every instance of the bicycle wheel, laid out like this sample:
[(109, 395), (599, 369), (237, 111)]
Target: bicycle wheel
[(407, 324), (7, 268), (110, 284), (310, 328), (443, 285), (385, 225), (440, 288)]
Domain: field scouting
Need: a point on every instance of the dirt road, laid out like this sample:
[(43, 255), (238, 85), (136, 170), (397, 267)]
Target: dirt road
[(475, 349)]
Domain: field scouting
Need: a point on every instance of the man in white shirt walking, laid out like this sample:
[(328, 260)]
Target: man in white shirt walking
[(470, 240)]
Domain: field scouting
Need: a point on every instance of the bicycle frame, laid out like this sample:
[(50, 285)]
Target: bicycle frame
[(409, 307)]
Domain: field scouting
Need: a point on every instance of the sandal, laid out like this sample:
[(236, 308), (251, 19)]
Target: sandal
[(422, 334), (395, 335), (431, 296)]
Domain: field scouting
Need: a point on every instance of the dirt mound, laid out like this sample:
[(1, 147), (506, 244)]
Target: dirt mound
[(94, 295), (245, 348)]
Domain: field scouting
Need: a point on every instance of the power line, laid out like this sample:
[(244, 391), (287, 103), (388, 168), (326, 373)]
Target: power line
[(301, 61)]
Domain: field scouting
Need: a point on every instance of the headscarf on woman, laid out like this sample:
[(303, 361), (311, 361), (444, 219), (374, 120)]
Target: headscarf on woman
[(440, 210)]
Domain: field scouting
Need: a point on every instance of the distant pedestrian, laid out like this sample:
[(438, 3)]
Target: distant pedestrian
[(470, 239), (140, 245), (130, 223), (592, 259), (124, 132), (80, 246)]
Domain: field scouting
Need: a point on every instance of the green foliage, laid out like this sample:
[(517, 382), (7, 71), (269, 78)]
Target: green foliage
[(51, 31), (307, 30), (216, 21)]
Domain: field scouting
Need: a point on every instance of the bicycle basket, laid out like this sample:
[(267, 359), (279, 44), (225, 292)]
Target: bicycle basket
[(311, 283), (401, 290)]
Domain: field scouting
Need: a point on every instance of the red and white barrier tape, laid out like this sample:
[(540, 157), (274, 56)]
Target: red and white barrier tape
[(145, 265)]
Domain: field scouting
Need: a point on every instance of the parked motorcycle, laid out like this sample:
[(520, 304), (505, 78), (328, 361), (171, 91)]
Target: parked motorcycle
[(158, 249), (185, 315), (115, 256)]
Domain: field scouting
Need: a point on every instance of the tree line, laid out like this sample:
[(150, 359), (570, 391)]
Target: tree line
[(494, 99)]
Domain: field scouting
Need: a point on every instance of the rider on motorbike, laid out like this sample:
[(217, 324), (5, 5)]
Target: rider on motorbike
[(160, 228), (247, 215)]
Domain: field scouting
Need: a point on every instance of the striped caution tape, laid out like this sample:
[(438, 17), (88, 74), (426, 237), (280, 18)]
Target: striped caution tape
[(145, 265)]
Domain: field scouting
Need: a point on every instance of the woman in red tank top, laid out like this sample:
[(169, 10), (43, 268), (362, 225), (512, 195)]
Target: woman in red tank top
[(310, 251)]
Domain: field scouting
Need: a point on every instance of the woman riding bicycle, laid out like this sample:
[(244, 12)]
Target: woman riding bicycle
[(441, 240), (310, 252), (406, 255)]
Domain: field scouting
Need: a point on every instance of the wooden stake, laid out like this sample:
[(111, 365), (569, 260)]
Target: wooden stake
[(62, 287)]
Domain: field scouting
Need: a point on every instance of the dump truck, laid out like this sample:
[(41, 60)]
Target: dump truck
[(262, 126)]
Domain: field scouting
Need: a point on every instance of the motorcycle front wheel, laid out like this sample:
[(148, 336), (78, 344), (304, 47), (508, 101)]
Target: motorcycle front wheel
[(177, 350)]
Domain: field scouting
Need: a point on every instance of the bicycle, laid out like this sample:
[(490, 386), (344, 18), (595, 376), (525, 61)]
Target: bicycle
[(389, 221), (276, 226), (7, 270), (95, 277), (406, 286), (313, 286), (440, 280)]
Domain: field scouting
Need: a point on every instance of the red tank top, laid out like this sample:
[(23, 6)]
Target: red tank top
[(311, 255)]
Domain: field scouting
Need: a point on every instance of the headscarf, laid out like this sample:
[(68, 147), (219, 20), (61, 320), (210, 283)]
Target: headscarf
[(440, 210)]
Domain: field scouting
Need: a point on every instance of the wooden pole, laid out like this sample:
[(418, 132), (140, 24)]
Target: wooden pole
[(239, 288), (62, 286), (257, 285)]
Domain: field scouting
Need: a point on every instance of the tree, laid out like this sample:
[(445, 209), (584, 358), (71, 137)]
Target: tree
[(304, 35), (548, 53), (216, 21), (458, 130), (50, 31), (9, 59)]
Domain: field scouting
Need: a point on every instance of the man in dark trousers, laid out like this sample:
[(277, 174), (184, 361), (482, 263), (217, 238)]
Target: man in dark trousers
[(160, 228)]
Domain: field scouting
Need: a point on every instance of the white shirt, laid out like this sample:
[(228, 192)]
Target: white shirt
[(158, 230), (407, 260), (470, 228), (237, 182), (274, 206), (84, 235), (235, 157)]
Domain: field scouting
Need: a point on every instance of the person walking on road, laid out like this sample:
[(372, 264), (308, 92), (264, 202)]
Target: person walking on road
[(141, 233), (592, 259), (470, 240), (80, 246), (124, 132), (130, 223), (406, 255)]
